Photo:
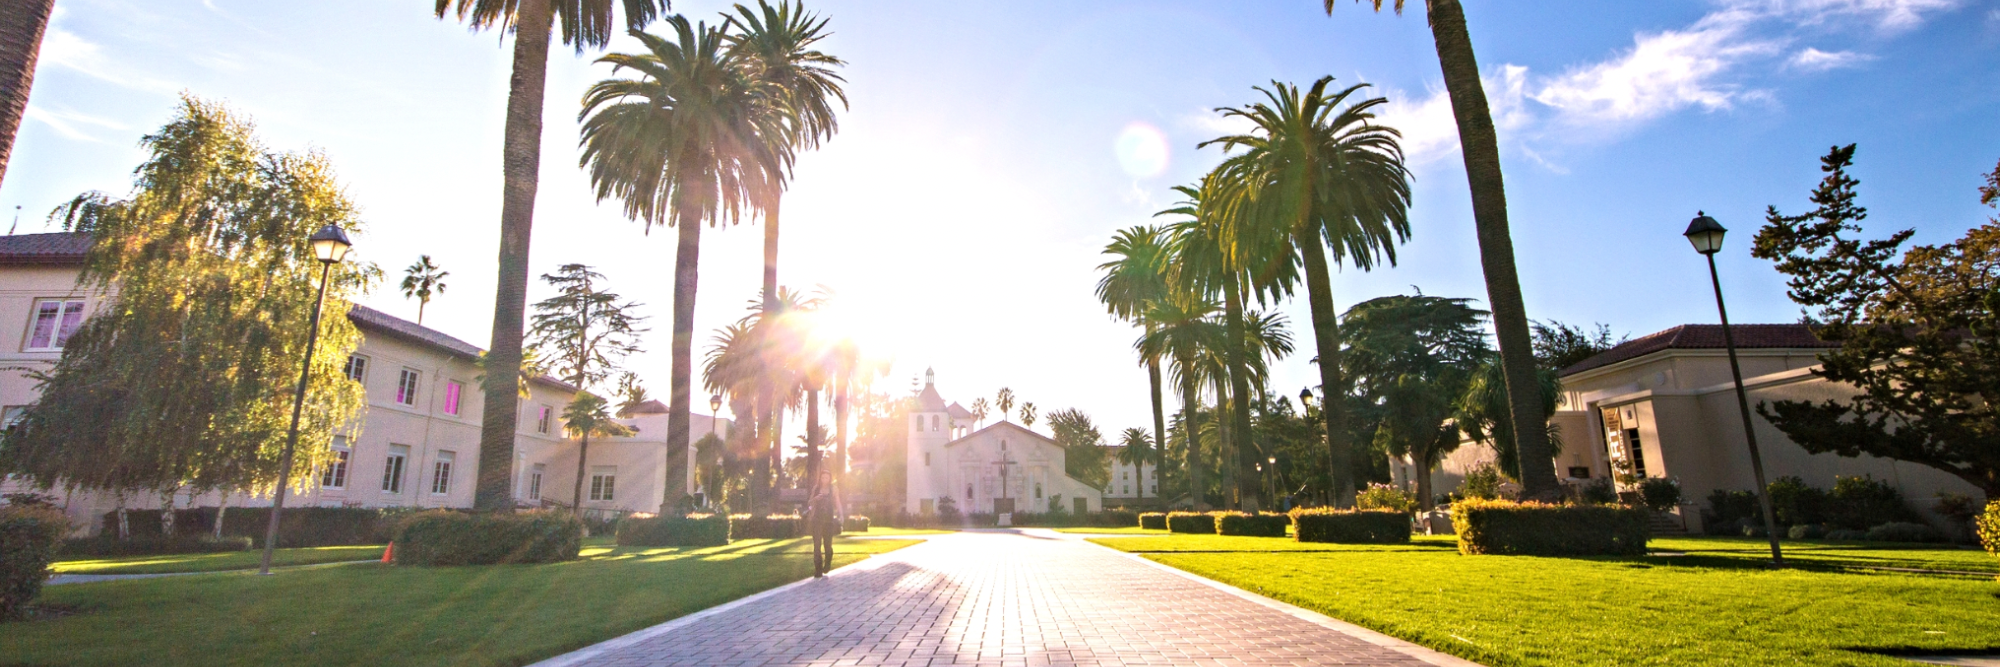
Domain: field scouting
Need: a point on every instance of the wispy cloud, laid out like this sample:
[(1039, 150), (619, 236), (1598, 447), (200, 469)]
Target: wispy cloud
[(1814, 60), (66, 49), (72, 124), (1662, 73), (1883, 14)]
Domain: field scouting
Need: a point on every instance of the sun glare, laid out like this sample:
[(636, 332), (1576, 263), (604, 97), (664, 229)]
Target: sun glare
[(1142, 150)]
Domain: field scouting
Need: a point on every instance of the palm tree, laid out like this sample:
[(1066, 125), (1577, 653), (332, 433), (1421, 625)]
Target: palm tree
[(1005, 401), (681, 143), (1137, 451), (1481, 149), (585, 24), (979, 410), (1183, 330), (1315, 175), (586, 415), (421, 281), (1132, 281), (1028, 414), (22, 23)]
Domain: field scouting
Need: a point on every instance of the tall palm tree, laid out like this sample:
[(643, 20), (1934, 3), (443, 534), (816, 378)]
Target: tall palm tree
[(1184, 328), (585, 24), (1137, 451), (1481, 149), (1315, 175), (682, 143), (1132, 281), (586, 415), (1004, 400), (422, 281), (22, 23), (776, 44), (978, 411)]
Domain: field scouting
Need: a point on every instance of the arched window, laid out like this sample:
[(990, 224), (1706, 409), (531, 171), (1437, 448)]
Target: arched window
[(934, 422), (968, 490), (1038, 490)]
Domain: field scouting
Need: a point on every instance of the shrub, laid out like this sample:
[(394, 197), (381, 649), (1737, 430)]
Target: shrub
[(1200, 523), (1482, 482), (1502, 527), (767, 527), (691, 530), (1153, 521), (1860, 502), (1112, 518), (1752, 529), (1731, 506), (1988, 527), (854, 523), (1794, 503), (1659, 493), (297, 526), (1901, 531), (1384, 497), (1326, 524), (1806, 531), (153, 545), (1597, 492), (1846, 534), (29, 539), (1251, 525), (445, 537)]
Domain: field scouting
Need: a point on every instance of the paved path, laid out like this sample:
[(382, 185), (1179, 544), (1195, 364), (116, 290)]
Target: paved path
[(1004, 599)]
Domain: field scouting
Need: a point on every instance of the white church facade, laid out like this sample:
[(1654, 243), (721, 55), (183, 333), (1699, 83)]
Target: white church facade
[(1001, 468)]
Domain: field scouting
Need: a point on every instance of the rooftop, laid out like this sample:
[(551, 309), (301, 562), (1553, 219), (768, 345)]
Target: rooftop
[(1705, 337), (56, 248)]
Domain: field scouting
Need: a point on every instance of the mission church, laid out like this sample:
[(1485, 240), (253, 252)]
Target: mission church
[(1000, 468)]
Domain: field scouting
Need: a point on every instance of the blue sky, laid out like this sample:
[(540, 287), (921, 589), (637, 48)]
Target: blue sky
[(961, 209)]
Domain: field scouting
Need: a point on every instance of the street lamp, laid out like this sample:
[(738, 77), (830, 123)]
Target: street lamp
[(1706, 235), (714, 408), (329, 246)]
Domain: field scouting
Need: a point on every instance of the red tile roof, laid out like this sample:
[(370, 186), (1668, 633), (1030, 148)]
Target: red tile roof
[(58, 249), (1705, 336)]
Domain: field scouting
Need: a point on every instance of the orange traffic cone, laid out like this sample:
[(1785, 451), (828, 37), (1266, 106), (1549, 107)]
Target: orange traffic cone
[(389, 554)]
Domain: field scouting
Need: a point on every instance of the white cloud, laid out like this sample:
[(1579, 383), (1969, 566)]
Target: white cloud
[(63, 48), (1815, 60), (1210, 124), (1662, 73), (1884, 14), (70, 123)]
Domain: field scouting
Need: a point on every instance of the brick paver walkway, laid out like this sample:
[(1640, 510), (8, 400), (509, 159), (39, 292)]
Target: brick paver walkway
[(1005, 600)]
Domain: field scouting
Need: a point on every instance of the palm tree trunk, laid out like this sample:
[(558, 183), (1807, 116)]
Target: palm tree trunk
[(1159, 421), (582, 454), (767, 406), (1191, 450), (1496, 245), (520, 163), (680, 394), (22, 23), (840, 401), (1225, 438), (812, 440), (1239, 400), (1326, 338)]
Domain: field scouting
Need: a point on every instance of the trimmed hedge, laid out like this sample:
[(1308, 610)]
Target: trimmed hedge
[(1153, 521), (1251, 525), (1897, 531), (1201, 523), (297, 527), (153, 545), (29, 539), (855, 523), (693, 530), (1326, 524), (1536, 529), (445, 537), (769, 527)]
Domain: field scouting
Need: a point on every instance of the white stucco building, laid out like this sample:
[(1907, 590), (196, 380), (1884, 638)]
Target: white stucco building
[(1129, 485), (1000, 468)]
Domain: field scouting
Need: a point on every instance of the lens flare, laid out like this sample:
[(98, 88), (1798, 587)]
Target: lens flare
[(1141, 150)]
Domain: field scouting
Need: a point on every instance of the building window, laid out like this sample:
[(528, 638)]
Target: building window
[(11, 416), (1126, 490), (968, 490), (335, 476), (1579, 472), (357, 368), (542, 418), (1038, 490), (406, 387), (452, 390), (535, 482), (1638, 452), (927, 459), (603, 482), (55, 320), (920, 422), (392, 471), (441, 474), (934, 422)]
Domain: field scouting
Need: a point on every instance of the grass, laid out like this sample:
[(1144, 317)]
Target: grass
[(234, 560), (376, 614), (1716, 606), (1811, 553)]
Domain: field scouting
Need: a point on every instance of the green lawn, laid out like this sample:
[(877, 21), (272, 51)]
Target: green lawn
[(1716, 606), (375, 614), (235, 560)]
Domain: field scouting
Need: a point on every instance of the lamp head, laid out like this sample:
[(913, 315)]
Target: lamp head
[(715, 403), (1305, 394), (330, 244), (1705, 233)]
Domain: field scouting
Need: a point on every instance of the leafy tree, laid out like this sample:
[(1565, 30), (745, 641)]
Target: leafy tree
[(1480, 146), (1316, 175), (1083, 446), (631, 394), (1133, 280), (186, 376), (1487, 415), (422, 280), (1559, 346), (1136, 451), (22, 23), (1918, 329), (1413, 356), (588, 415), (585, 24), (685, 141)]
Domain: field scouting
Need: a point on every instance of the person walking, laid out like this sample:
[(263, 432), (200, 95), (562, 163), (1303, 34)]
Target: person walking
[(822, 523)]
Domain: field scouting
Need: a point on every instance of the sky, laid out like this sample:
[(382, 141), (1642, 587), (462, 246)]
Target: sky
[(992, 148)]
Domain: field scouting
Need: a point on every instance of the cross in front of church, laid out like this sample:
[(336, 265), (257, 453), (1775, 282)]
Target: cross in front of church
[(1003, 504)]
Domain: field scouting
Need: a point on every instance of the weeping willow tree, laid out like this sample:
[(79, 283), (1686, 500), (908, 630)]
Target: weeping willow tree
[(183, 378)]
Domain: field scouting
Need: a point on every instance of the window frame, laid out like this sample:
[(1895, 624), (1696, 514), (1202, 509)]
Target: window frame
[(454, 397), (335, 475), (408, 382), (535, 481), (543, 415), (57, 337), (394, 466), (441, 473), (603, 484), (356, 368)]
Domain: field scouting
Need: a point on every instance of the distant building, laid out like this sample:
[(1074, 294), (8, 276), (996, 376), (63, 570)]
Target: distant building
[(418, 444), (1129, 485), (1000, 468), (1665, 405)]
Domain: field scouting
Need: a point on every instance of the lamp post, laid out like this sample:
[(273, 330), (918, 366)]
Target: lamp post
[(714, 408), (1706, 235), (329, 246)]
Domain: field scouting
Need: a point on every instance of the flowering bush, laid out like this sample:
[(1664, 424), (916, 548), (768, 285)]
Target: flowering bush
[(1384, 497)]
